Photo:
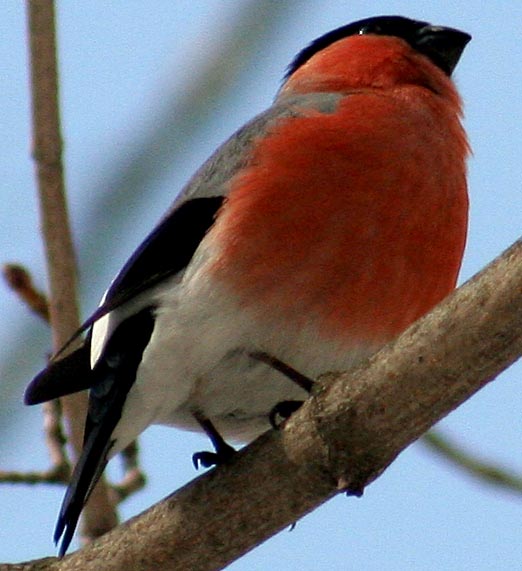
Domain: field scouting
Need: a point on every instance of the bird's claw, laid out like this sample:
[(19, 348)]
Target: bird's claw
[(209, 459)]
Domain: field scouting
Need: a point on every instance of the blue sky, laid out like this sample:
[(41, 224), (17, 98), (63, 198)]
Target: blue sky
[(121, 62)]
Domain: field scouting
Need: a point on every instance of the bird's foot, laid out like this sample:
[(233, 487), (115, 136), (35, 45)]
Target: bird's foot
[(209, 459), (223, 451)]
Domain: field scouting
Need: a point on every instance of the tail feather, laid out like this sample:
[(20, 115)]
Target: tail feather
[(114, 374), (85, 476)]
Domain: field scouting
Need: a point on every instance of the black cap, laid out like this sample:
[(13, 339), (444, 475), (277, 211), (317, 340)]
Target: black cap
[(443, 46)]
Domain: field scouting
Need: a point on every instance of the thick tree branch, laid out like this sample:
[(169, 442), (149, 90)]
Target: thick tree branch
[(343, 438), (99, 515)]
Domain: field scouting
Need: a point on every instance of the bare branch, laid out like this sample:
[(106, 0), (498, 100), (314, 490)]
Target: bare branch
[(52, 476), (19, 280), (99, 515), (55, 438), (342, 438), (60, 470), (133, 478)]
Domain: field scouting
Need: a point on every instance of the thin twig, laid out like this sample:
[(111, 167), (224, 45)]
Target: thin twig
[(99, 515), (55, 438), (60, 470), (133, 478), (19, 280), (481, 469), (52, 476)]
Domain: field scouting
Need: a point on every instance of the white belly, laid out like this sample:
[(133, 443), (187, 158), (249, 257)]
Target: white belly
[(199, 359)]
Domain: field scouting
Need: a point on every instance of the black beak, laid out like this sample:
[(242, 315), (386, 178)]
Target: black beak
[(443, 46)]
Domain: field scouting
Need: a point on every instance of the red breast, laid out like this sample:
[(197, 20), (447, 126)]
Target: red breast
[(355, 220)]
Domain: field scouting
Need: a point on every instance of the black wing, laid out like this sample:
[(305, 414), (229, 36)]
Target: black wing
[(164, 253)]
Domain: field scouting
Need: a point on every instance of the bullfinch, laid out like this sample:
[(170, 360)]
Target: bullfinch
[(313, 236)]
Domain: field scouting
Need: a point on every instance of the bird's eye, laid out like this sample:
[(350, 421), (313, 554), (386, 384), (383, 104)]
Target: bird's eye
[(370, 29)]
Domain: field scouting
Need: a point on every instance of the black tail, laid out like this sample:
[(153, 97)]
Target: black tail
[(84, 478), (114, 374)]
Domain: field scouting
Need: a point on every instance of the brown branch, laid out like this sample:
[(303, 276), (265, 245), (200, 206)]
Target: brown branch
[(55, 438), (485, 471), (133, 478), (60, 470), (99, 515), (51, 476), (342, 438), (19, 280)]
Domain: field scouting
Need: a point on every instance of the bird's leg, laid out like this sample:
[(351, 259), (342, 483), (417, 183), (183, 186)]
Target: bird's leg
[(284, 409), (298, 378), (223, 451)]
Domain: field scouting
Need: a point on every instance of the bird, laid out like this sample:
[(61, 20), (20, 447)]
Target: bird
[(313, 236)]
